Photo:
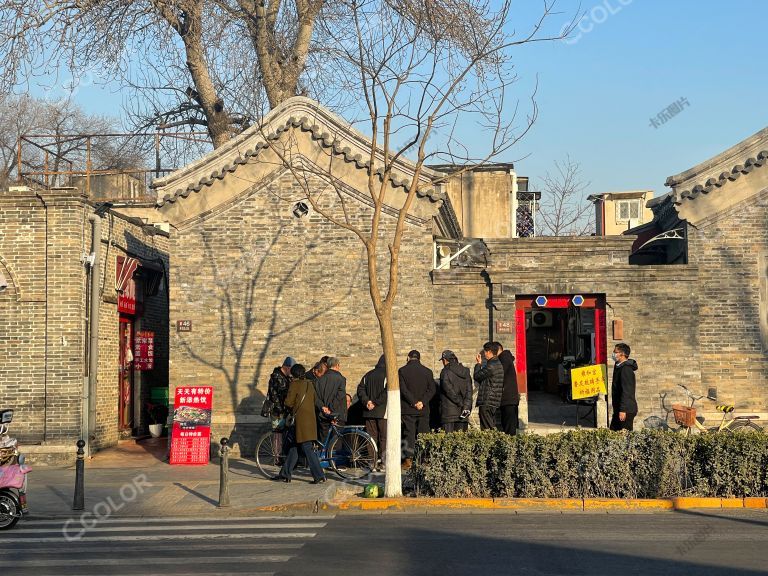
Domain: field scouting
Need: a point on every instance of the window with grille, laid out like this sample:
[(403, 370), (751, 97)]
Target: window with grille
[(628, 210)]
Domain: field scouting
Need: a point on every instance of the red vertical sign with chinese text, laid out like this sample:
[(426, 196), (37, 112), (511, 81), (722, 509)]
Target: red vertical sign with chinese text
[(191, 434)]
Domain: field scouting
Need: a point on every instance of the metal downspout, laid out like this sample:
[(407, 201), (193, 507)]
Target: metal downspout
[(89, 392)]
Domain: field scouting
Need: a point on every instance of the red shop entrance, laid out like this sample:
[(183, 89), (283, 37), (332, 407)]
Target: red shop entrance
[(554, 333)]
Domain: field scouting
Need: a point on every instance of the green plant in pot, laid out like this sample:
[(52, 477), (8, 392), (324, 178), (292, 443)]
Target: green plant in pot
[(158, 413)]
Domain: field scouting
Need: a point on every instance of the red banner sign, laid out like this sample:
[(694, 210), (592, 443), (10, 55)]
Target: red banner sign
[(191, 434), (144, 350), (125, 284)]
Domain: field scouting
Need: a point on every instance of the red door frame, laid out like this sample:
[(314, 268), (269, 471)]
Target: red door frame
[(525, 304), (125, 377)]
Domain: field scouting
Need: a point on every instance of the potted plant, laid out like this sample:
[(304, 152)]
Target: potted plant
[(158, 413)]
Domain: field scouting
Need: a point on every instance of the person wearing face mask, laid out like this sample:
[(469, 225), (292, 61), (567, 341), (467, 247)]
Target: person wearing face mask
[(623, 389)]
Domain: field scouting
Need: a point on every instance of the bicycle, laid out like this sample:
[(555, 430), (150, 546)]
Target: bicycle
[(347, 450), (688, 422)]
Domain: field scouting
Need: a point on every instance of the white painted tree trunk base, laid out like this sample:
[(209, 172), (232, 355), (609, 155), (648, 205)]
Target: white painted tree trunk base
[(393, 480)]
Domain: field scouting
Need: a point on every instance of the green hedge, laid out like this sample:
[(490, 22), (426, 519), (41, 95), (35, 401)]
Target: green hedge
[(591, 464)]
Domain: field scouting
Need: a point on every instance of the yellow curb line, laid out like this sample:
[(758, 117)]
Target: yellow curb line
[(587, 504)]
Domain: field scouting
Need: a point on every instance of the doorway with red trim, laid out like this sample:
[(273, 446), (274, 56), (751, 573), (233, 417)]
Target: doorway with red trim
[(555, 333)]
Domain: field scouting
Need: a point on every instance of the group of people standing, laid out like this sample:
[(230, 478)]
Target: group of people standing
[(312, 399), (318, 396), (495, 381)]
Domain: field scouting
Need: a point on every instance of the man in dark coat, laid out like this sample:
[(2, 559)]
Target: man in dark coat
[(277, 388), (455, 384), (510, 396), (301, 400), (489, 375), (417, 387), (330, 398), (372, 392), (623, 389)]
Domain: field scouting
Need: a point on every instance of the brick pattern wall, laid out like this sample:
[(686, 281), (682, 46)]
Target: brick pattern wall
[(124, 238), (22, 313), (729, 250), (43, 326), (657, 304), (259, 284)]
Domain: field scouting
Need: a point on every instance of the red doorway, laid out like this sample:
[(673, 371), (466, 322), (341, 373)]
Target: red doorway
[(554, 305), (125, 374)]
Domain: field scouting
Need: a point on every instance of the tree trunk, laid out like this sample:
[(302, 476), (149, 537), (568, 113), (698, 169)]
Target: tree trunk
[(206, 96), (393, 483)]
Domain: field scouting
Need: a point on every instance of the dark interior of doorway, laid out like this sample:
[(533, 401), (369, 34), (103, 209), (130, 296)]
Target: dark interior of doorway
[(557, 340)]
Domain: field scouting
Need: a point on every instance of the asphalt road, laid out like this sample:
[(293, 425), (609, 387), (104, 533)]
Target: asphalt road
[(689, 543)]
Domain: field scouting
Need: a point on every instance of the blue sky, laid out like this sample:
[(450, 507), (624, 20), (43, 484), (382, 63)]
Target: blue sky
[(629, 61)]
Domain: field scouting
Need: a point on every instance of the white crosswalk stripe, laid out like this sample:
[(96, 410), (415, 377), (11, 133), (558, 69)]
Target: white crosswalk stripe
[(130, 546)]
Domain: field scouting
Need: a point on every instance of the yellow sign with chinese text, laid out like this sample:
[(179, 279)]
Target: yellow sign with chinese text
[(588, 381)]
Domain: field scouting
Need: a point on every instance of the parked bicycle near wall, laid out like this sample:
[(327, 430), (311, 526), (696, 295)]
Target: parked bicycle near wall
[(688, 422), (347, 450)]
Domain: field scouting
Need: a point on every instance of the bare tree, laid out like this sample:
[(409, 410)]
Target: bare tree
[(205, 64), (416, 82), (564, 210), (54, 125)]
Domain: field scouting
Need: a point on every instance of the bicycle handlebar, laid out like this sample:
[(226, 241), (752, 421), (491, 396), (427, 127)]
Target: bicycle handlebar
[(689, 393)]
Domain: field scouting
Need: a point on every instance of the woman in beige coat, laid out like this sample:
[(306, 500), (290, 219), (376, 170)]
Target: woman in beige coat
[(303, 434)]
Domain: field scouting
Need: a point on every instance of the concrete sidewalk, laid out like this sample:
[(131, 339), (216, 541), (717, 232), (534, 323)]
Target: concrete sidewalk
[(134, 480)]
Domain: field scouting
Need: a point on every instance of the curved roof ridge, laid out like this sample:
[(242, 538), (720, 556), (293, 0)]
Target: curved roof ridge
[(731, 157), (195, 176)]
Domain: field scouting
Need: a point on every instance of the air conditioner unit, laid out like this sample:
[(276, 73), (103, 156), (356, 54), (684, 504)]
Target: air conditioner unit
[(541, 319)]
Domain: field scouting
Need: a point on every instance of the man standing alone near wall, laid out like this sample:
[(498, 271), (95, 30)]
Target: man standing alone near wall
[(623, 389)]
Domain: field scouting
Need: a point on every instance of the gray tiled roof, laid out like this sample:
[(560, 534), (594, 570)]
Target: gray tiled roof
[(723, 178), (256, 142)]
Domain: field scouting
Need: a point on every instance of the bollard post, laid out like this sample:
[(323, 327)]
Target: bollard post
[(79, 501), (224, 474)]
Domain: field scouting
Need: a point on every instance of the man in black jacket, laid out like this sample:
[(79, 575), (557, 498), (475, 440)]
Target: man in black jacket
[(623, 389), (417, 386), (455, 384), (330, 397), (489, 375), (372, 392), (510, 396)]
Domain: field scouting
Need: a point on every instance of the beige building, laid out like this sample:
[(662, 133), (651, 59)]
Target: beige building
[(617, 212)]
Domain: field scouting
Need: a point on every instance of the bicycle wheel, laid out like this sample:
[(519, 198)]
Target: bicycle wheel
[(269, 453), (352, 455), (10, 512), (742, 426)]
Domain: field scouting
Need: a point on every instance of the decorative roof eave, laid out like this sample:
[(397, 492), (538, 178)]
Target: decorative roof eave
[(722, 179), (297, 113)]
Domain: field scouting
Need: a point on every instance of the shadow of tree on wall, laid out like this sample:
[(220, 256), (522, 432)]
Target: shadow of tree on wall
[(240, 306)]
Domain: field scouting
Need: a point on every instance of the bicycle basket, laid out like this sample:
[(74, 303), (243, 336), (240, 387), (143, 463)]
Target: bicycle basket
[(684, 415)]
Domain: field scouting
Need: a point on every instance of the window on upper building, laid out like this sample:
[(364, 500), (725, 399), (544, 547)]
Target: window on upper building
[(627, 210)]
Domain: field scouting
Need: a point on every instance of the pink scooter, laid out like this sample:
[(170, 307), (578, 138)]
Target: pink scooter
[(13, 476)]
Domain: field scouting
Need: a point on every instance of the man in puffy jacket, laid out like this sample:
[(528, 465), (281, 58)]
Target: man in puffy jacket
[(417, 387), (372, 392), (489, 375), (455, 384), (623, 389), (510, 396)]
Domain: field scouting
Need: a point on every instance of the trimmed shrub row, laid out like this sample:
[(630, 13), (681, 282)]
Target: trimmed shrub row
[(591, 464)]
